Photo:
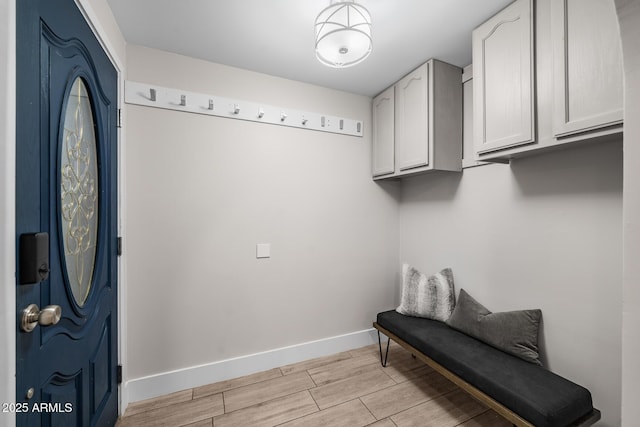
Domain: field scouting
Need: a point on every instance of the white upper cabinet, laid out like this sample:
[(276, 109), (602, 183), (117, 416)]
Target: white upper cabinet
[(503, 75), (383, 133), (588, 85), (576, 91), (412, 136), (418, 123)]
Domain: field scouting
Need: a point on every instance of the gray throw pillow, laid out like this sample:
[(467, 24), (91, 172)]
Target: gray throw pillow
[(514, 332), (431, 297)]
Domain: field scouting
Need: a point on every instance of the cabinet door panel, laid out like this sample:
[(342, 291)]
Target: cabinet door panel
[(383, 133), (412, 136), (504, 79), (587, 66)]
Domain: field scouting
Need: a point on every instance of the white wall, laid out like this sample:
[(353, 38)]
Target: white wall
[(7, 207), (629, 18), (202, 191), (542, 233)]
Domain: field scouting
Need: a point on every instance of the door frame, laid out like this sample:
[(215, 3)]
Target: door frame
[(8, 313)]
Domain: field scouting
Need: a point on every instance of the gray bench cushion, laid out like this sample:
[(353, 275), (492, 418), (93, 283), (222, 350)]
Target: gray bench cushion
[(536, 394)]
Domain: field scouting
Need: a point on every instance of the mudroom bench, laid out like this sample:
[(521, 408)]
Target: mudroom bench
[(524, 393)]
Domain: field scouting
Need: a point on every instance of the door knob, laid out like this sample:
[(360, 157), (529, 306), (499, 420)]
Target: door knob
[(32, 316)]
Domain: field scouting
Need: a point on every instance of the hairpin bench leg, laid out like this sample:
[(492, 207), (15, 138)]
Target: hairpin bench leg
[(386, 355)]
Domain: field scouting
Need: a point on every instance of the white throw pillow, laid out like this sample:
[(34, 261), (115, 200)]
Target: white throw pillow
[(432, 297)]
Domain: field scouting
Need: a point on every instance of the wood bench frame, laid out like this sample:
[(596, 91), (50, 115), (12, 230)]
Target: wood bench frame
[(502, 410)]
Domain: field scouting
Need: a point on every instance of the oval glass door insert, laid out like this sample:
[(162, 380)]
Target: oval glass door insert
[(79, 191)]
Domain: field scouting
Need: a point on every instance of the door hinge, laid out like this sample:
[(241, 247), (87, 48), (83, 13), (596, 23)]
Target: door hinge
[(119, 374), (119, 117), (119, 246)]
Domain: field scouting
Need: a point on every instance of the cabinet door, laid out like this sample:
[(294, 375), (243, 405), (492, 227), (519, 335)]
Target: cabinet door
[(503, 75), (468, 154), (412, 118), (588, 83), (383, 133)]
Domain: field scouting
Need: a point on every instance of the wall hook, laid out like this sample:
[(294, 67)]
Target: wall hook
[(236, 108), (183, 100), (152, 95), (283, 117), (304, 121), (260, 113), (211, 104)]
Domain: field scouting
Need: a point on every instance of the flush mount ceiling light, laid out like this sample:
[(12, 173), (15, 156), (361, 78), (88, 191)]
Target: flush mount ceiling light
[(343, 34)]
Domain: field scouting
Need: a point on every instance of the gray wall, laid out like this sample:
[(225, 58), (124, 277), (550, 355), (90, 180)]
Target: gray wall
[(202, 191), (544, 232), (629, 18)]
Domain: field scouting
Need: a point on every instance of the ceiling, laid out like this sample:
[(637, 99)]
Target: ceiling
[(276, 37)]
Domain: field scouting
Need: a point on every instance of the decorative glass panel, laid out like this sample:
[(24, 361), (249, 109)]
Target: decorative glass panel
[(79, 191)]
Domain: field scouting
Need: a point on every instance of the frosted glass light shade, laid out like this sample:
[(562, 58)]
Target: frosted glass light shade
[(343, 34)]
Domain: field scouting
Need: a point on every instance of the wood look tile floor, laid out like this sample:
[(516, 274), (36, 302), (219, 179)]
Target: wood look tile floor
[(348, 389)]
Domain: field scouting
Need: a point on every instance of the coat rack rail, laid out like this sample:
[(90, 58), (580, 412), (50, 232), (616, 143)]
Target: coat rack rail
[(189, 102)]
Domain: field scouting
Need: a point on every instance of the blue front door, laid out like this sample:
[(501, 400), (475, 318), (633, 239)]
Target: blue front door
[(66, 220)]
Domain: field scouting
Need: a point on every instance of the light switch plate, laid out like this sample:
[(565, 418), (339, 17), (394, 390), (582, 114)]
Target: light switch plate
[(263, 250)]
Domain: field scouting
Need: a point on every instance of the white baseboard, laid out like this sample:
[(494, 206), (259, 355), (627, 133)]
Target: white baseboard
[(169, 382)]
